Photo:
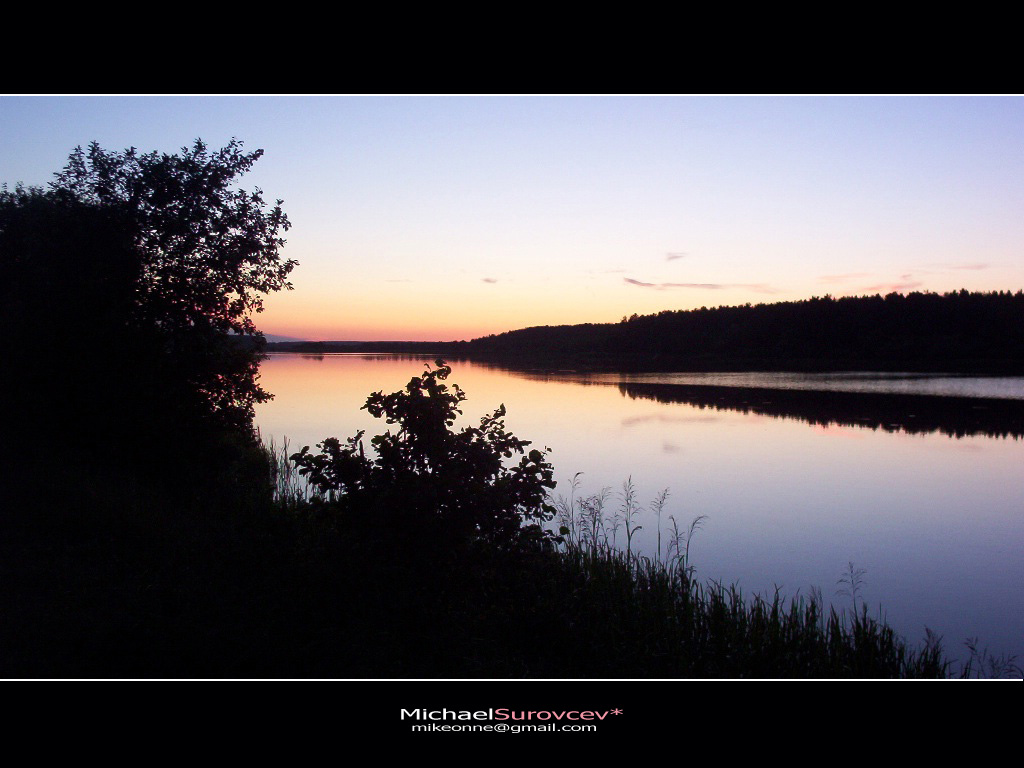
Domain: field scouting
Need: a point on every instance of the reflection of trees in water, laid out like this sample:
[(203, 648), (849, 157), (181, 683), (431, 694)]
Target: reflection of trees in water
[(416, 357), (915, 414)]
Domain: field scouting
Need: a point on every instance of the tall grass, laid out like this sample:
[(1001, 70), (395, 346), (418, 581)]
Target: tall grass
[(980, 663), (687, 628), (290, 489)]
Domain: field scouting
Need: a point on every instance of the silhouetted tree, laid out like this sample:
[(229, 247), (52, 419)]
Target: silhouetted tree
[(128, 289), (207, 253)]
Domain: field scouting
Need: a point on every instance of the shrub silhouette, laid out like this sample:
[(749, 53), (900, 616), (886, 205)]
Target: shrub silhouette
[(430, 477)]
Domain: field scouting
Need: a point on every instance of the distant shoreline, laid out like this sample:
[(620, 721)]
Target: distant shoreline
[(397, 347), (585, 362), (958, 332)]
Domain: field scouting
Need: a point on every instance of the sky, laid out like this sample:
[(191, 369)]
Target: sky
[(453, 217)]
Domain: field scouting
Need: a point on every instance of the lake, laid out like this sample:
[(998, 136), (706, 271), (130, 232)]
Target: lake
[(917, 480)]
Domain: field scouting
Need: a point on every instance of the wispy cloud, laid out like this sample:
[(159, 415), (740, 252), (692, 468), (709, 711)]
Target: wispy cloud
[(893, 287), (932, 268), (489, 279), (663, 286), (905, 282), (759, 287), (399, 280), (841, 278), (673, 255)]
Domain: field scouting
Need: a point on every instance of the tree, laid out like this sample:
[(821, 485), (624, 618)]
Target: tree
[(131, 283), (208, 251), (425, 472)]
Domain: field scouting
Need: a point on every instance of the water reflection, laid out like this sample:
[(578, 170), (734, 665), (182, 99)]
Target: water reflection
[(915, 414), (881, 382)]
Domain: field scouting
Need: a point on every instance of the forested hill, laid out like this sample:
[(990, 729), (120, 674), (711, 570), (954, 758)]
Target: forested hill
[(954, 332)]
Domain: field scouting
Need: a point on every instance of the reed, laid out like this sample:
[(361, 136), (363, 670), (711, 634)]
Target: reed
[(661, 617), (290, 489)]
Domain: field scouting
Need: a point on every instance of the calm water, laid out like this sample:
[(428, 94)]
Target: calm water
[(926, 494)]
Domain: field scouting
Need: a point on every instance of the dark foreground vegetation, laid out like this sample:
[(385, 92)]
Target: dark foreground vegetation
[(384, 571), (146, 532)]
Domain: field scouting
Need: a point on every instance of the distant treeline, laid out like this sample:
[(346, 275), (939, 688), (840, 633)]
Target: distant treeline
[(955, 332)]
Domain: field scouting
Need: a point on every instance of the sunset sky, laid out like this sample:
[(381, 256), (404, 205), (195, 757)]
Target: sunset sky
[(440, 218)]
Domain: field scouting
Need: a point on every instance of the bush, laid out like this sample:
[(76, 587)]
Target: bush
[(428, 476)]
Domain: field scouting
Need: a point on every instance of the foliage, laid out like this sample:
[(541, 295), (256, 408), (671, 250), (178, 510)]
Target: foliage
[(133, 279), (208, 251), (425, 469)]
